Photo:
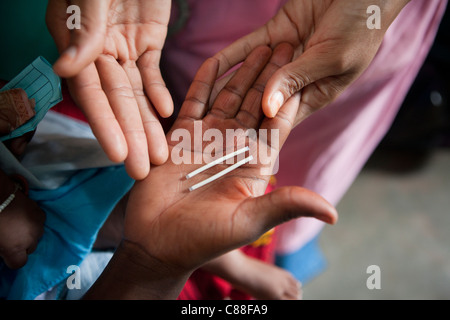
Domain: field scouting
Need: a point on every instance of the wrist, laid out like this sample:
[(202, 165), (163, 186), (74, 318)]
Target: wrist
[(134, 274)]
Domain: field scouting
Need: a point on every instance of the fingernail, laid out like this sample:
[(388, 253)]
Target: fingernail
[(275, 102), (71, 52)]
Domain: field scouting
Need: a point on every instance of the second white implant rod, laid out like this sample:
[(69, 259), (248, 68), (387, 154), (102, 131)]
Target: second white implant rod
[(217, 161), (221, 173)]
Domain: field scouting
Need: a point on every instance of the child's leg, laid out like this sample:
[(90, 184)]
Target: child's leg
[(257, 278)]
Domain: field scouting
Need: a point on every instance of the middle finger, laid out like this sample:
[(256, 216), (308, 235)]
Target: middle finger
[(123, 102)]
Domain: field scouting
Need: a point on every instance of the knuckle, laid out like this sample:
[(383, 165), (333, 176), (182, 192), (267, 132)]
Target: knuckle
[(295, 81), (122, 91), (342, 62), (326, 94), (259, 87), (139, 93), (282, 120), (234, 90), (246, 118)]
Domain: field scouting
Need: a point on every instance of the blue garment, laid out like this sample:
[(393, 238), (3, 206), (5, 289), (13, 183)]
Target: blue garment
[(76, 210), (306, 263), (91, 268), (74, 214)]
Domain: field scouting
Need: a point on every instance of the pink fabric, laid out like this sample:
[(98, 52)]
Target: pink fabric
[(326, 152), (212, 26)]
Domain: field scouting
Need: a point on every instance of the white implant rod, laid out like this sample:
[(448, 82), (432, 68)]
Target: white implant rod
[(221, 173), (217, 161)]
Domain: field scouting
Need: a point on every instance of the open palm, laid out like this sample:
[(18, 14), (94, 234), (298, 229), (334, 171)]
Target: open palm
[(185, 229), (112, 63)]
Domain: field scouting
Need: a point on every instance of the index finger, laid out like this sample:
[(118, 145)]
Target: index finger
[(88, 94)]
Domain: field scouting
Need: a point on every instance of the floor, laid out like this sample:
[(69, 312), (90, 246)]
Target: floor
[(396, 216)]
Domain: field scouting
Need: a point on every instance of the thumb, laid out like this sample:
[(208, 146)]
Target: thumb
[(287, 203), (308, 68), (85, 43)]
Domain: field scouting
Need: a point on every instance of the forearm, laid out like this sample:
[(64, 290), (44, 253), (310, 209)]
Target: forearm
[(357, 15), (235, 267), (134, 275), (228, 266)]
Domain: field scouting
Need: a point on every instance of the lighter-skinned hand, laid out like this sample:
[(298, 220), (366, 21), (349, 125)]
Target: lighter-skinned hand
[(112, 67), (333, 46)]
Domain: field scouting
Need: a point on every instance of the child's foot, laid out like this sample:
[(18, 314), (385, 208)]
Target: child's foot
[(268, 282), (258, 279)]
